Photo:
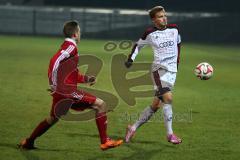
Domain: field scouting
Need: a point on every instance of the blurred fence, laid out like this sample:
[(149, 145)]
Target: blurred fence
[(115, 23), (32, 20)]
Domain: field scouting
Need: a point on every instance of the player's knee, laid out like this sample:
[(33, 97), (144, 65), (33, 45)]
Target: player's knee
[(167, 98), (101, 105), (161, 92)]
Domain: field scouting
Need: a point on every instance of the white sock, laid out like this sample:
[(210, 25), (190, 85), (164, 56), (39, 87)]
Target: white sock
[(145, 116), (167, 113)]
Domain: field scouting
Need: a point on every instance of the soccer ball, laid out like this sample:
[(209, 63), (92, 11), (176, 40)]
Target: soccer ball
[(204, 71)]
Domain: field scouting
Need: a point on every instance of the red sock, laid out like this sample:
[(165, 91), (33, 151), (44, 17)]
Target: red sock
[(39, 130), (101, 121)]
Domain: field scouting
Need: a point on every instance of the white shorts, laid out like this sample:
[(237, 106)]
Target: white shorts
[(163, 79)]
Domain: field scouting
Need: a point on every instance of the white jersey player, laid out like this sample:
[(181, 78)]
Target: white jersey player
[(165, 41)]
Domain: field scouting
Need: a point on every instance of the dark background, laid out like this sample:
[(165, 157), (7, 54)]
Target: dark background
[(171, 5), (221, 29), (231, 6)]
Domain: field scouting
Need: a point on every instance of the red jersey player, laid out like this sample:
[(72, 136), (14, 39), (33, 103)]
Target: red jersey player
[(63, 78)]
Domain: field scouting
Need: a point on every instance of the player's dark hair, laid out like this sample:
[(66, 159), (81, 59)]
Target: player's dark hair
[(152, 12), (70, 28)]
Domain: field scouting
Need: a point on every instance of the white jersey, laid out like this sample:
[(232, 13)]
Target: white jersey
[(165, 44)]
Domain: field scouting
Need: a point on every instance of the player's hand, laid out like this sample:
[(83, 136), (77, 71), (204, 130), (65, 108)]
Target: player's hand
[(128, 63), (91, 80)]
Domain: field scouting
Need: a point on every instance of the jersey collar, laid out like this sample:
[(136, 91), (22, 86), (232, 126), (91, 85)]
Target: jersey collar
[(71, 40), (160, 29)]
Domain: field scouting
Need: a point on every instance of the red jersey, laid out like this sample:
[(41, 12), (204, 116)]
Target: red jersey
[(63, 73)]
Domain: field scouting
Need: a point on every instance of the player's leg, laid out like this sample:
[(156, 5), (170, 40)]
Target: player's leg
[(42, 127), (167, 112), (149, 110), (100, 107), (166, 81), (144, 117), (147, 113), (101, 120)]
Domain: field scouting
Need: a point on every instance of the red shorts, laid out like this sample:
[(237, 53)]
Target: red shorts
[(79, 102)]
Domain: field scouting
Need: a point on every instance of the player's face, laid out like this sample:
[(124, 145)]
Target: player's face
[(78, 35), (160, 19)]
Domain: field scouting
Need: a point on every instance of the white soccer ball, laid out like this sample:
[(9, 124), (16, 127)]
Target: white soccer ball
[(204, 71)]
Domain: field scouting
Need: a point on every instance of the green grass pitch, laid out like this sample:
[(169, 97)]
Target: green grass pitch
[(207, 111)]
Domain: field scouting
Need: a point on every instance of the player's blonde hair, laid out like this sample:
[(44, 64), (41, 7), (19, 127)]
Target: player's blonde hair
[(152, 12)]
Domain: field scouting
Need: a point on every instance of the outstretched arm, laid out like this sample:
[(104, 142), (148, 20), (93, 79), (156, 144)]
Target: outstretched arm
[(135, 50)]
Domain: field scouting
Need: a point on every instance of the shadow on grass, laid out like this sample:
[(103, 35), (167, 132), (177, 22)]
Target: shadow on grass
[(141, 150), (138, 147), (15, 146), (144, 152), (138, 152), (7, 145), (87, 135), (134, 141), (28, 155)]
